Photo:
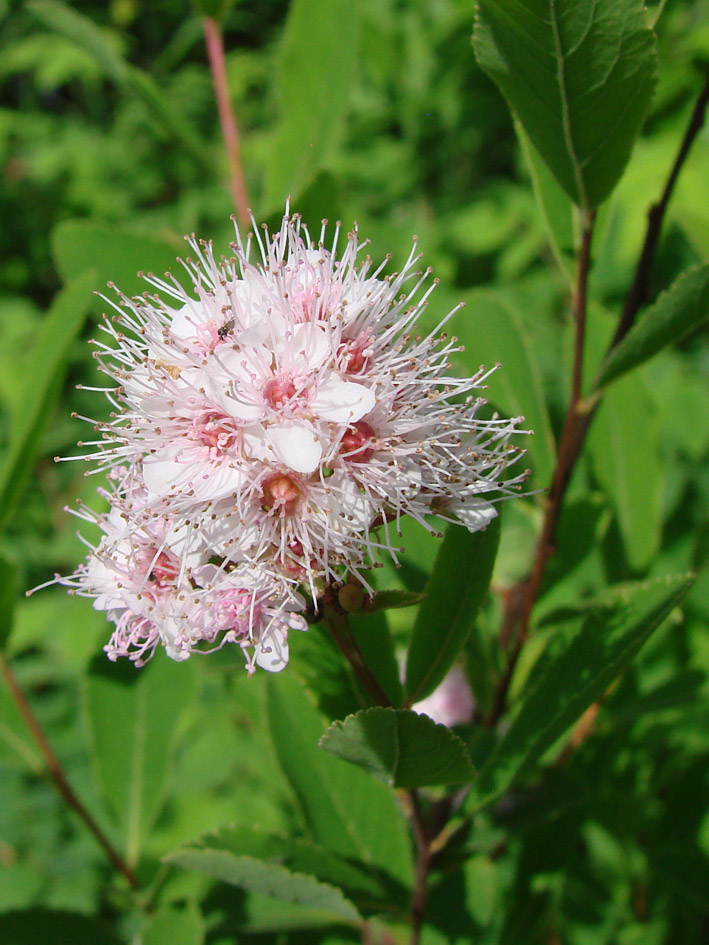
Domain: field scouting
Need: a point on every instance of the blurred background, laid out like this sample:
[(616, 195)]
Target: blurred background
[(110, 152)]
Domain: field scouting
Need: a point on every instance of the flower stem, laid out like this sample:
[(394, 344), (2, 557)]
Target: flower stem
[(56, 771), (337, 622), (215, 53)]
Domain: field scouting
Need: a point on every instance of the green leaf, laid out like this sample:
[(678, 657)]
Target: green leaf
[(367, 888), (454, 592), (172, 925), (116, 254), (66, 21), (579, 75), (374, 639), (493, 332), (342, 809), (679, 310), (400, 747), (624, 445), (8, 594), (315, 77), (598, 653), (33, 926), (392, 600), (269, 879), (133, 716), (45, 370)]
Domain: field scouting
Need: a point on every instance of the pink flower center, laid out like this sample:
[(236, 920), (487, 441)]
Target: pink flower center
[(279, 391), (216, 430), (235, 611), (357, 354), (356, 444), (281, 494), (162, 570)]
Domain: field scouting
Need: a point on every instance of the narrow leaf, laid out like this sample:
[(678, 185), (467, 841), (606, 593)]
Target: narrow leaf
[(133, 716), (400, 747), (315, 76), (579, 75), (269, 879), (8, 596), (679, 310), (342, 809), (598, 653), (454, 592), (392, 600), (45, 370), (625, 449), (493, 332), (375, 642)]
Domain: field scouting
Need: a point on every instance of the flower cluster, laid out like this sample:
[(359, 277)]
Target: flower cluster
[(273, 424)]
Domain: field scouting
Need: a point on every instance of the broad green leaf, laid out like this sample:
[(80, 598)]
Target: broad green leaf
[(597, 654), (367, 888), (115, 254), (269, 879), (400, 747), (172, 925), (578, 75), (68, 22), (679, 310), (8, 594), (133, 716), (454, 592), (35, 926), (624, 445), (45, 370), (314, 79), (492, 333), (342, 809)]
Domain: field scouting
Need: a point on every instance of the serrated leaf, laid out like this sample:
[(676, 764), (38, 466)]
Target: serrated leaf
[(454, 592), (115, 254), (45, 369), (133, 716), (315, 77), (342, 809), (624, 446), (8, 595), (493, 332), (269, 879), (400, 747), (679, 310), (579, 75), (597, 654), (81, 30), (369, 889), (32, 926), (172, 925)]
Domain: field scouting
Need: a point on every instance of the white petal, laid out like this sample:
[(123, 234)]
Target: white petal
[(296, 446), (342, 401), (272, 653), (311, 347), (474, 513)]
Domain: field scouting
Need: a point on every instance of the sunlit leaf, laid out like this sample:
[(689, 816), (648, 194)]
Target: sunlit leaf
[(400, 747), (579, 75)]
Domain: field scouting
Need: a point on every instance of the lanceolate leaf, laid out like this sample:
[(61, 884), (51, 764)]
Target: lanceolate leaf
[(269, 879), (602, 649), (579, 75), (133, 715), (46, 366), (456, 589), (401, 748), (315, 75), (342, 809), (679, 310)]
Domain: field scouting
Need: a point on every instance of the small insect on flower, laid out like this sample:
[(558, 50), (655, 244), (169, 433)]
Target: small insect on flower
[(274, 424)]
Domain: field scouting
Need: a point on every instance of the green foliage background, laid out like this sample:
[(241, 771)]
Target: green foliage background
[(374, 110)]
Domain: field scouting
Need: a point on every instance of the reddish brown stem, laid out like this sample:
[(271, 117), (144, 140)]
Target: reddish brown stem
[(337, 622), (56, 772), (215, 53), (423, 865)]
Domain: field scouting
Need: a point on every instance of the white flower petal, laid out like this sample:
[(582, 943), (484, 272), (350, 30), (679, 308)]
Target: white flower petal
[(296, 446), (342, 401), (474, 513), (272, 652)]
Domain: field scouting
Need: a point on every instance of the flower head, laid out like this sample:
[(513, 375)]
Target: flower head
[(274, 424)]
